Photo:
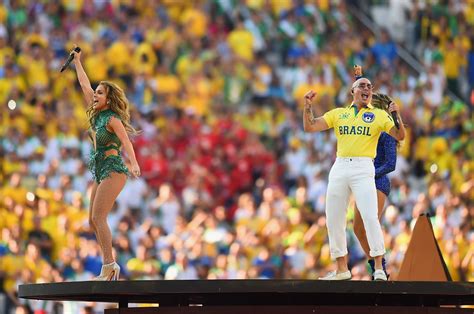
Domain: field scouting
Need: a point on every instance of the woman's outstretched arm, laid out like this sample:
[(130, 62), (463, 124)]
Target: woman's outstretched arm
[(83, 79)]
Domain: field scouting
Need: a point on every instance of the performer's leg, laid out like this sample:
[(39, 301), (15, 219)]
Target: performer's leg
[(91, 207), (336, 207), (359, 229), (107, 192), (363, 187)]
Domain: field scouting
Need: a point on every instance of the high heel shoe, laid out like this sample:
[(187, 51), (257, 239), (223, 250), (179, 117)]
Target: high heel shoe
[(109, 272)]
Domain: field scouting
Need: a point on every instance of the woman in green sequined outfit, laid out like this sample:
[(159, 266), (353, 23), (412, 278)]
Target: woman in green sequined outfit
[(109, 117)]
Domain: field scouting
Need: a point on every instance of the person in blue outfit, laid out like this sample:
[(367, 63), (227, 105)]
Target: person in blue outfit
[(384, 162)]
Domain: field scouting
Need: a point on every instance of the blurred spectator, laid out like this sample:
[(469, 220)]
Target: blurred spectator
[(40, 238), (181, 269), (385, 51)]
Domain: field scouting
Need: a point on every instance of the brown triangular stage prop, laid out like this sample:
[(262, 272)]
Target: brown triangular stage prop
[(423, 259)]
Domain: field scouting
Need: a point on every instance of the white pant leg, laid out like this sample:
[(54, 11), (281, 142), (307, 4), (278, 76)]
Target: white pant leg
[(337, 199), (363, 187)]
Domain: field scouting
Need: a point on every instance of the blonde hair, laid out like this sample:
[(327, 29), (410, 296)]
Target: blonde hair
[(118, 104)]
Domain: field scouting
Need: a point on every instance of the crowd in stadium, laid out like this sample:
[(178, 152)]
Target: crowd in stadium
[(231, 186)]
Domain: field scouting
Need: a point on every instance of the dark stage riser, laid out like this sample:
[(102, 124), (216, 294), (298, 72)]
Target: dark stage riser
[(263, 296), (292, 310)]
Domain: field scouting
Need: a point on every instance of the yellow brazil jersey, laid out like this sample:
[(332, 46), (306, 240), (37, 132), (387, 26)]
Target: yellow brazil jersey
[(357, 133)]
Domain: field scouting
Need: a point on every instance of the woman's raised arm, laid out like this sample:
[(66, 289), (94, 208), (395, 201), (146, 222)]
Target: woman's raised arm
[(83, 79)]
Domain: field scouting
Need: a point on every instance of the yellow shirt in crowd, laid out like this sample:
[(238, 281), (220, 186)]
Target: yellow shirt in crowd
[(11, 265), (241, 43), (358, 133), (96, 67), (195, 22), (118, 54)]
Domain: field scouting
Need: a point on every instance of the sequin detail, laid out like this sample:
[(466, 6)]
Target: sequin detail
[(100, 165)]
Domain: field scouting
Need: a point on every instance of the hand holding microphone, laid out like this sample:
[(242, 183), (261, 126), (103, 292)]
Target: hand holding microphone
[(393, 108), (70, 58)]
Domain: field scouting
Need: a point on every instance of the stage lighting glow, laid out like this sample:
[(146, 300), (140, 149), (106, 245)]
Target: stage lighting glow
[(30, 197), (11, 104)]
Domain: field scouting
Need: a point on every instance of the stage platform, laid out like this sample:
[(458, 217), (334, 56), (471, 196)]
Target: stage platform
[(264, 296)]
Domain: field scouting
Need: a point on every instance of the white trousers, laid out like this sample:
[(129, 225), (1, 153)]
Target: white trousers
[(356, 174)]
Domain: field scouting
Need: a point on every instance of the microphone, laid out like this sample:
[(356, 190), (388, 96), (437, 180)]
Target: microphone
[(395, 119), (69, 59)]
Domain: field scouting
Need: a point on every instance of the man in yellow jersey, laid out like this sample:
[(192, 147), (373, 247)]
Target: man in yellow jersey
[(357, 128)]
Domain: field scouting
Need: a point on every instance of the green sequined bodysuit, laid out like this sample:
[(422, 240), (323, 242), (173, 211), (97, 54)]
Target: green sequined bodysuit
[(99, 164)]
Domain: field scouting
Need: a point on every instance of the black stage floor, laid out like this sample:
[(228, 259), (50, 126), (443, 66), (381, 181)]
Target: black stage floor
[(282, 294)]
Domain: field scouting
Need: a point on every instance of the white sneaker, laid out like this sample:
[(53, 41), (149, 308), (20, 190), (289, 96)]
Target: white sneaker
[(337, 276), (379, 275)]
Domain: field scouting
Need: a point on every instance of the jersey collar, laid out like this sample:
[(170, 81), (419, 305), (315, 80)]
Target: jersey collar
[(367, 106)]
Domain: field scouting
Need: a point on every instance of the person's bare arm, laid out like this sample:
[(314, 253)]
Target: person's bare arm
[(83, 79), (121, 133), (310, 122), (398, 134)]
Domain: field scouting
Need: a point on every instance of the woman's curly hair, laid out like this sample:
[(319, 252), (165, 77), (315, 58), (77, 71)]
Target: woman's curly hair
[(118, 103)]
